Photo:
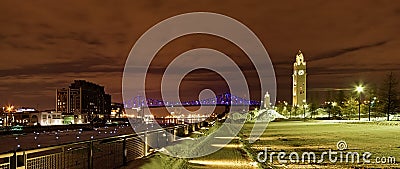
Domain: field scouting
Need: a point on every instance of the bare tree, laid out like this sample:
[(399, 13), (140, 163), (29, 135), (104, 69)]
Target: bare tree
[(340, 98), (389, 95), (313, 109)]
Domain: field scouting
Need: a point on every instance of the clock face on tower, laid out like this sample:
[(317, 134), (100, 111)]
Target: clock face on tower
[(301, 72)]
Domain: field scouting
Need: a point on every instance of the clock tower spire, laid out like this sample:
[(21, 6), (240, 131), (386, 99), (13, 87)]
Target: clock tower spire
[(299, 80)]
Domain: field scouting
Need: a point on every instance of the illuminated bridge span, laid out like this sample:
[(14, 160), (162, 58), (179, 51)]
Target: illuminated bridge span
[(222, 99)]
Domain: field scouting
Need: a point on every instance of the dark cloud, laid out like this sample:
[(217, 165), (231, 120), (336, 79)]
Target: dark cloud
[(78, 66), (340, 52), (353, 70), (18, 46), (82, 37)]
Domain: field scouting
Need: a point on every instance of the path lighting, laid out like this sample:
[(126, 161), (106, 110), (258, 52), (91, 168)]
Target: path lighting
[(8, 109), (371, 102), (359, 89), (304, 108)]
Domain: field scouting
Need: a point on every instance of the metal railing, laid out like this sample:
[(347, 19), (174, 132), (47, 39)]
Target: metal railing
[(110, 152)]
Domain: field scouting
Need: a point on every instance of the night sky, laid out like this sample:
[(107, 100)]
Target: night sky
[(47, 44)]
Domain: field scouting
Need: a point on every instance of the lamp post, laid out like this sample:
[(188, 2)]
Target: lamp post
[(286, 109), (9, 109), (359, 90), (9, 112), (4, 122), (371, 101), (333, 109), (305, 107), (369, 109)]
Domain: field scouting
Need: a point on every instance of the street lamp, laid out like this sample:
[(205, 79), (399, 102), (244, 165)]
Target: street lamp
[(371, 101), (4, 120), (333, 111), (359, 90), (304, 108), (8, 108)]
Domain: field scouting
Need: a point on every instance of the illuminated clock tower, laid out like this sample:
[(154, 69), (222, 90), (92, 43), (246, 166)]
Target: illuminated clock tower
[(299, 81)]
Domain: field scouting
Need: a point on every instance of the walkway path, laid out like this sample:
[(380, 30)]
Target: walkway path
[(230, 156)]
